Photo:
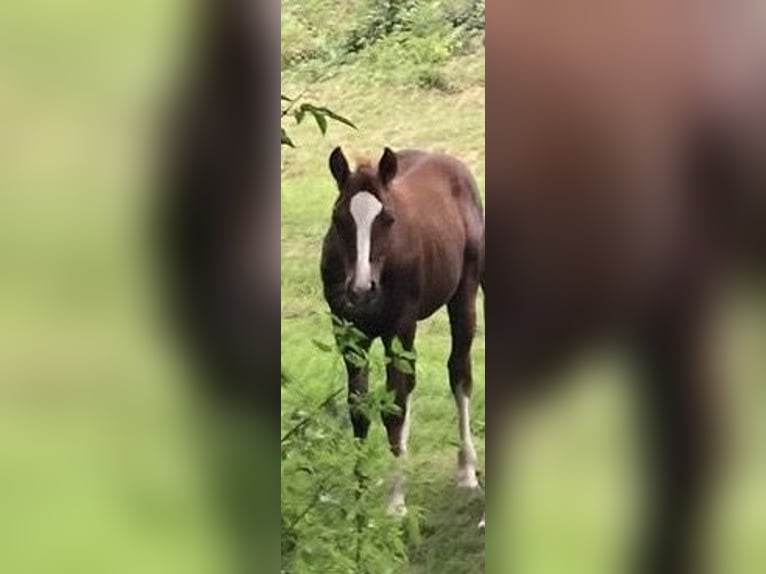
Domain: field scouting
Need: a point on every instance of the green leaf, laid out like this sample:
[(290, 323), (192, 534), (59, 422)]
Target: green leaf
[(410, 355), (335, 319), (398, 350), (324, 347), (321, 120), (337, 117), (286, 139), (357, 333), (354, 346), (403, 366), (356, 360)]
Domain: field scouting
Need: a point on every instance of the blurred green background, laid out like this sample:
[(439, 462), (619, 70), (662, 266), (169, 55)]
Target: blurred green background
[(100, 470)]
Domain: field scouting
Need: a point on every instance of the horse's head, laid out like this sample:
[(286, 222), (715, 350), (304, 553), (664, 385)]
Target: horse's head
[(363, 221)]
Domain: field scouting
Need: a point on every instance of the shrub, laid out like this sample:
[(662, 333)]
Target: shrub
[(333, 512), (405, 41)]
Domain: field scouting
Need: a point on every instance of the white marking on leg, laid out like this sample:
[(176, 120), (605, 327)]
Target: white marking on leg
[(466, 476), (364, 208), (404, 436), (396, 503)]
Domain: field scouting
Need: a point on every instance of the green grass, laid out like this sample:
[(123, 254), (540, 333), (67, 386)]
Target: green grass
[(389, 109), (398, 115), (567, 497)]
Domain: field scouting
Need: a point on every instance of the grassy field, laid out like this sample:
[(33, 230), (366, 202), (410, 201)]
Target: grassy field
[(572, 497), (379, 93), (453, 544)]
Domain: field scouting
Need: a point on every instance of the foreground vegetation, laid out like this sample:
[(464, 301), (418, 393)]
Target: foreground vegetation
[(575, 492), (404, 76)]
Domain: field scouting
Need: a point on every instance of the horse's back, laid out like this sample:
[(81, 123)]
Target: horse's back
[(441, 200), (439, 192), (436, 177)]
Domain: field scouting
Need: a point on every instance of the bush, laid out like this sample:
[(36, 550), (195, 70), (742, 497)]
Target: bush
[(333, 513), (405, 41)]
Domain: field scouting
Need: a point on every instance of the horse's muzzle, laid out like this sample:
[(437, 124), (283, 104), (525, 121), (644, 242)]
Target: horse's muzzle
[(362, 296)]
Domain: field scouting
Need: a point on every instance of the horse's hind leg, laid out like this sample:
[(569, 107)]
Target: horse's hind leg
[(462, 317)]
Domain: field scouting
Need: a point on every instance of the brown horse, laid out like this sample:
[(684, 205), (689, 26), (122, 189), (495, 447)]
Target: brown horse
[(406, 238), (625, 157)]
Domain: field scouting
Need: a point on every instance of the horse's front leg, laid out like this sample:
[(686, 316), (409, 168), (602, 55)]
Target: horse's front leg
[(400, 380), (358, 383)]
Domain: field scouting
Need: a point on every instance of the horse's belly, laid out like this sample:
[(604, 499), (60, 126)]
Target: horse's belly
[(430, 306), (439, 283)]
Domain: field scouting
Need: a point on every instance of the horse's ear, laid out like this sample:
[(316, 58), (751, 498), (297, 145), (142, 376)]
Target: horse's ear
[(339, 166), (387, 166)]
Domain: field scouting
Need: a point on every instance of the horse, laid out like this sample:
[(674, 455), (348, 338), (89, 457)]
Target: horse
[(406, 238), (625, 161)]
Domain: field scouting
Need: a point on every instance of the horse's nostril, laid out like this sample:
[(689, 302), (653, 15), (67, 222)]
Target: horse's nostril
[(373, 285)]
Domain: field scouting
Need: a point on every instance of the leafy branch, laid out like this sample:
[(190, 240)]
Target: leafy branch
[(352, 345), (402, 359), (306, 420), (316, 451), (298, 110)]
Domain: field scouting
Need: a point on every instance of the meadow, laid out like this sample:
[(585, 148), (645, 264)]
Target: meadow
[(571, 495), (313, 374), (413, 87)]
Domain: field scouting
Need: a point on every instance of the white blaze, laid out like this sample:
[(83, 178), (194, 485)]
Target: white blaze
[(364, 207)]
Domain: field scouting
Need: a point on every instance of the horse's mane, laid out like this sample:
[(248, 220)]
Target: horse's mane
[(365, 174)]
